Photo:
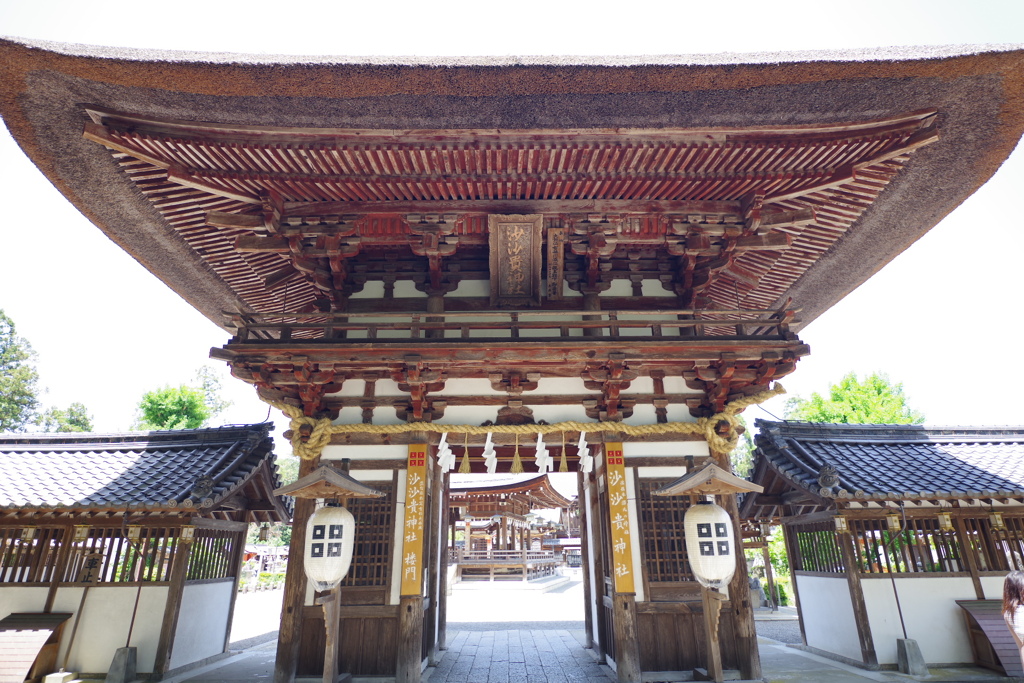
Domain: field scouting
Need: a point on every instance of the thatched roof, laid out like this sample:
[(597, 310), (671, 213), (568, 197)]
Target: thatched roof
[(976, 92)]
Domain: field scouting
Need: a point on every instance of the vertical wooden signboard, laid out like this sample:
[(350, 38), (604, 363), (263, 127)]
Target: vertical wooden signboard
[(515, 259), (618, 515), (556, 263), (415, 500)]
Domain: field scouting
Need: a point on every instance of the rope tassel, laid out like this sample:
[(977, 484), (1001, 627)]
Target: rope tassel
[(563, 464), (517, 463), (464, 467)]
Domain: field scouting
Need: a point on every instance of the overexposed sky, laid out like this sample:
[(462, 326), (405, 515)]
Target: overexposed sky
[(942, 318)]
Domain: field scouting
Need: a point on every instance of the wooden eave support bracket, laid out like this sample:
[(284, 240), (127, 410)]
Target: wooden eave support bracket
[(710, 480)]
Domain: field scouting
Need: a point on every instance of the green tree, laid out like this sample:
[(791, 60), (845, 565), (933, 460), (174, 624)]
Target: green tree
[(742, 457), (873, 400), (187, 406), (75, 419), (181, 407), (19, 379)]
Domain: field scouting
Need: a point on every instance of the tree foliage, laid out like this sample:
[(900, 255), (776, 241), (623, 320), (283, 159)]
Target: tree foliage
[(19, 379), (187, 406), (873, 400), (181, 407), (75, 418), (742, 457)]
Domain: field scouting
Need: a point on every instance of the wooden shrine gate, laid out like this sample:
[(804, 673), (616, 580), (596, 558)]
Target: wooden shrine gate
[(629, 272)]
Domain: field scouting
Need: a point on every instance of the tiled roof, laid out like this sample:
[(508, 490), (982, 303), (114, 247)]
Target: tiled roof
[(130, 470), (895, 461)]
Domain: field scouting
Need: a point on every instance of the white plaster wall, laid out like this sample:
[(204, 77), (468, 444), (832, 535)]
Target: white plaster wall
[(992, 586), (932, 617), (103, 626), (202, 622), (382, 452), (467, 387), (592, 606), (15, 598), (470, 288), (634, 536), (667, 449), (398, 540), (555, 414), (828, 615), (560, 386)]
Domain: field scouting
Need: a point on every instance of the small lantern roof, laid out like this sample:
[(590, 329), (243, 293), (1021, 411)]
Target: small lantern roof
[(327, 482), (709, 480)]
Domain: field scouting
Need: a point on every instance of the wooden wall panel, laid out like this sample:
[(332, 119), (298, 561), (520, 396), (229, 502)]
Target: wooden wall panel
[(675, 641), (366, 643)]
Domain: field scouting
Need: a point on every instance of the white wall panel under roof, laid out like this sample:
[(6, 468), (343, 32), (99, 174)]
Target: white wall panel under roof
[(667, 449), (677, 385), (561, 386), (641, 385), (359, 452), (553, 414), (353, 415), (655, 288), (678, 412), (643, 414), (619, 288), (373, 289), (406, 289), (469, 415), (467, 387), (472, 288), (387, 387), (350, 387)]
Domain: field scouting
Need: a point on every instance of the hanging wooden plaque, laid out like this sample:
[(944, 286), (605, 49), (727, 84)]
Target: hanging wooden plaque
[(556, 262), (618, 516), (415, 510), (516, 243)]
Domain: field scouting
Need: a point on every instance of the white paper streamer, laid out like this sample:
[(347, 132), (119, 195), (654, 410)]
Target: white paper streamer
[(543, 458), (586, 459), (490, 457)]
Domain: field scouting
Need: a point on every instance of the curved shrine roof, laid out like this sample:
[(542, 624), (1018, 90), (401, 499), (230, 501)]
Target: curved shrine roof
[(142, 470), (883, 463), (824, 167)]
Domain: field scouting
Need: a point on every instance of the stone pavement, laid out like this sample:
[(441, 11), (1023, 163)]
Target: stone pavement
[(540, 640)]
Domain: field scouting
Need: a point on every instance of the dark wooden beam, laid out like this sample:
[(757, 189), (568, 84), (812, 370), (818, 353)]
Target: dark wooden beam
[(513, 206)]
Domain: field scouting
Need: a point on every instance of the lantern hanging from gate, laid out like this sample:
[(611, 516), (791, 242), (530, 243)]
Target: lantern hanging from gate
[(710, 544), (328, 551)]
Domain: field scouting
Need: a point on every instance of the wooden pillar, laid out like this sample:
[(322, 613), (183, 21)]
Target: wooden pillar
[(410, 617), (793, 553), (860, 608), (287, 661), (711, 602), (435, 304), (627, 647), (237, 561), (769, 575), (967, 552), (172, 606), (588, 590), (591, 302), (739, 589), (410, 639), (60, 567), (442, 601)]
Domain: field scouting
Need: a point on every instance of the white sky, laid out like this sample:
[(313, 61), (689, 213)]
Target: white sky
[(943, 318)]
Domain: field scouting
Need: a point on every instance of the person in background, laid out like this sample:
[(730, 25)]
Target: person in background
[(1013, 608)]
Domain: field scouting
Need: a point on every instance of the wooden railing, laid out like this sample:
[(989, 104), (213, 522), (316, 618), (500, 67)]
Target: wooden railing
[(486, 326), (504, 556)]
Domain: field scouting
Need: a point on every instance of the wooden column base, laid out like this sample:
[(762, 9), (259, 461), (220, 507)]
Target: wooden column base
[(627, 649), (410, 640)]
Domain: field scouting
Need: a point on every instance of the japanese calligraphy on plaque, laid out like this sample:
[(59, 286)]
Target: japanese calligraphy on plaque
[(555, 271), (412, 532), (618, 515), (516, 249)]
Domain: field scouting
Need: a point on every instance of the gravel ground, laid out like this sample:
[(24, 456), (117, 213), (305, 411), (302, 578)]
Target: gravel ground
[(782, 631)]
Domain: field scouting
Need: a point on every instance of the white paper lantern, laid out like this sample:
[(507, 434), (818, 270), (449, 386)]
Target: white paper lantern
[(710, 544), (329, 543)]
